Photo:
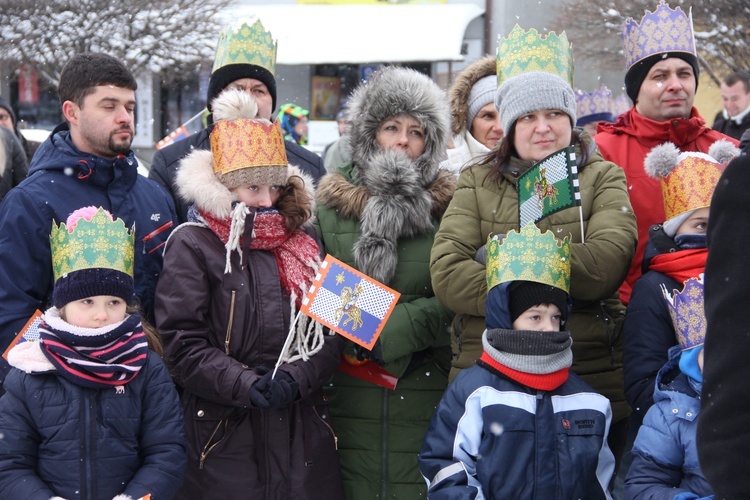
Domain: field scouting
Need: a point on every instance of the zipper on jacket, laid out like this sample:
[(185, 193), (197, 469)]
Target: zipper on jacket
[(335, 437), (228, 336), (207, 449), (87, 448), (609, 328)]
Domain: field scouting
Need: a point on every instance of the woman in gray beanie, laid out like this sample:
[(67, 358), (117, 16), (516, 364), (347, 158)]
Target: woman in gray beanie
[(475, 122), (379, 213), (537, 109)]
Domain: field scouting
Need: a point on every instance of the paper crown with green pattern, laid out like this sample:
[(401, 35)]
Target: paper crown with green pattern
[(525, 51), (91, 239), (529, 255), (246, 43), (688, 314)]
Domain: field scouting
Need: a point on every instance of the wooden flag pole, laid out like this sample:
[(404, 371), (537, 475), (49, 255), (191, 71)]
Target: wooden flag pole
[(287, 342), (580, 211)]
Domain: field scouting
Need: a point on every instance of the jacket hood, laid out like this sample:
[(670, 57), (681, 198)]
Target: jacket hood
[(59, 153), (458, 95), (392, 92), (675, 386), (198, 185)]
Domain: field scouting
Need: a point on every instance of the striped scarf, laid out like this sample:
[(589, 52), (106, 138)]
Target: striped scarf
[(94, 357)]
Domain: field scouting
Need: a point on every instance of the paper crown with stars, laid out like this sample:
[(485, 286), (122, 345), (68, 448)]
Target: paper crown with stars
[(529, 255), (687, 313), (663, 30), (525, 51)]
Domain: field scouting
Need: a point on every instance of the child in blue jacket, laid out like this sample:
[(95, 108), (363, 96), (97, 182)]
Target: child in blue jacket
[(519, 424), (665, 463), (90, 410)]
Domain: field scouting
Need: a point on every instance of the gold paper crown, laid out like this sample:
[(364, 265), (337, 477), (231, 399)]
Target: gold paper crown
[(99, 242), (246, 43), (525, 51), (246, 144), (529, 255), (687, 312), (663, 30)]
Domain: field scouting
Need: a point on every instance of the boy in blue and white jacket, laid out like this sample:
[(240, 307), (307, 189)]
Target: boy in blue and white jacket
[(519, 424)]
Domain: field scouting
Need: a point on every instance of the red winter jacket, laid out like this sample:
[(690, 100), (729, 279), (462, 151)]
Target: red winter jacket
[(626, 143)]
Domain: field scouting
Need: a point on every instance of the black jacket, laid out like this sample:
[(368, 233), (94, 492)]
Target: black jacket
[(729, 127), (723, 440), (167, 160)]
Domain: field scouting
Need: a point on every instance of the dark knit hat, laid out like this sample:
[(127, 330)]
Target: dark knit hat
[(526, 294), (91, 282), (637, 73)]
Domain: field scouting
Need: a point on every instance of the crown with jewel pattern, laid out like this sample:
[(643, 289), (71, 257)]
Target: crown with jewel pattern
[(663, 30), (247, 42), (687, 312), (593, 107), (529, 255), (90, 239), (246, 147), (525, 51)]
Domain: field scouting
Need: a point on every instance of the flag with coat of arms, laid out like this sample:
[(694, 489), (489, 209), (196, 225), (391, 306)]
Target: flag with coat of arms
[(549, 186), (349, 302)]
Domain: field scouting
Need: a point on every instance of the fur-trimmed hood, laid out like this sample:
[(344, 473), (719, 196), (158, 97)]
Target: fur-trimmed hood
[(458, 94), (198, 185), (391, 92)]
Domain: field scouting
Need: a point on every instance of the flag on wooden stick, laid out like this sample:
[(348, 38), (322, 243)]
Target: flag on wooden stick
[(548, 187)]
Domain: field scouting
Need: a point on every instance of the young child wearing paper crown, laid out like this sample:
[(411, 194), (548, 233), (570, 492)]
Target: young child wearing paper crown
[(90, 411), (519, 424), (665, 463), (676, 251), (233, 281)]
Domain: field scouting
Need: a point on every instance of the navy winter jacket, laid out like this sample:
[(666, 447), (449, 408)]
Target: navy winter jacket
[(665, 464), (61, 180), (61, 439), (492, 437)]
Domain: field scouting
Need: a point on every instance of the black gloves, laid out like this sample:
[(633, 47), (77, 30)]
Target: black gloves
[(270, 394), (375, 355)]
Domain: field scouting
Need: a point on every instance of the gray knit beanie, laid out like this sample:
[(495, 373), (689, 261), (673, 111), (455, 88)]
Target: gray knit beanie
[(482, 93), (529, 92)]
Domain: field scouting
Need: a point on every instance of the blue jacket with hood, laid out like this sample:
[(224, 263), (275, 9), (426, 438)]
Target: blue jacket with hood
[(665, 453), (61, 180)]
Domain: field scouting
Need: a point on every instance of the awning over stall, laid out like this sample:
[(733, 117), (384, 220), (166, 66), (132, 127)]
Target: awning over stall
[(362, 34)]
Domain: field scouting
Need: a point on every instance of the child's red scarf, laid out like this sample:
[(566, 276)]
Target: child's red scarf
[(681, 265)]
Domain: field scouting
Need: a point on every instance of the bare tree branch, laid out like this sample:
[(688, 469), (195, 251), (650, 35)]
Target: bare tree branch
[(164, 36), (594, 27)]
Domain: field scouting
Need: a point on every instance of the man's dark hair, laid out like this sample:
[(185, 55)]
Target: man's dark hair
[(86, 71), (738, 76)]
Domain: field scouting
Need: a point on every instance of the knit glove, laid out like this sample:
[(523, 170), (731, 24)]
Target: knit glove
[(481, 255), (268, 393), (375, 355)]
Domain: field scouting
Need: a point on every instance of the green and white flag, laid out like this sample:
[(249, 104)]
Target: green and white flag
[(548, 187)]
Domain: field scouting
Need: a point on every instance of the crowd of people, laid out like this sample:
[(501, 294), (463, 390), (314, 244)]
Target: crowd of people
[(154, 345)]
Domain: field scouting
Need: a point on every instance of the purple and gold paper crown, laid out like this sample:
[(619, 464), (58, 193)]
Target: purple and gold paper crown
[(594, 107), (620, 105), (529, 255), (664, 30), (525, 51), (688, 315)]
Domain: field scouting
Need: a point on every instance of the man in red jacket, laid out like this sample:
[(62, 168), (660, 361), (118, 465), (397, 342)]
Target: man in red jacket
[(661, 80)]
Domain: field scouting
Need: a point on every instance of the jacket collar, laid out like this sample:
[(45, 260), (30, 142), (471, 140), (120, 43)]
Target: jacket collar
[(650, 133)]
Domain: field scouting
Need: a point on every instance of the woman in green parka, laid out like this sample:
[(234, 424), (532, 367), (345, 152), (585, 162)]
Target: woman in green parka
[(379, 213), (537, 110)]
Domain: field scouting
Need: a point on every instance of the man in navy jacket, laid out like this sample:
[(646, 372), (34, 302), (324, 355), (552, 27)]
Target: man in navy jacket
[(85, 161)]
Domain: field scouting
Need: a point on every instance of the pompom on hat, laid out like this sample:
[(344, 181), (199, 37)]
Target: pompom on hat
[(687, 179), (92, 254)]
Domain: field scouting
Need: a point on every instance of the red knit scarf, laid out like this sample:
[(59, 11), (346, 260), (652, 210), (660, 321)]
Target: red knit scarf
[(681, 265), (542, 382), (297, 254)]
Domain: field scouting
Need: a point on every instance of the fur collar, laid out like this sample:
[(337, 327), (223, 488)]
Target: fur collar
[(458, 95), (391, 203), (198, 185)]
